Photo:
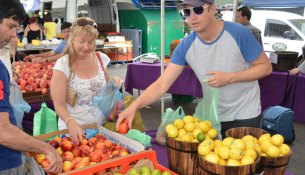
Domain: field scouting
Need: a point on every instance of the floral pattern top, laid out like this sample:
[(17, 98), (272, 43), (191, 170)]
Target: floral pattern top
[(83, 111)]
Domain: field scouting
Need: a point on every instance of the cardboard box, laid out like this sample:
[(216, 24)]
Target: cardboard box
[(32, 167)]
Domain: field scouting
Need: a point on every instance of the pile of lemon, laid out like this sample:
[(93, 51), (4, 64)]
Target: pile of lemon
[(191, 129), (273, 146), (230, 151)]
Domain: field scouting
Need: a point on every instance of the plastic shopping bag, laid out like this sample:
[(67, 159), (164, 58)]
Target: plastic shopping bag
[(168, 117), (110, 103), (137, 121), (207, 107), (18, 104), (45, 121)]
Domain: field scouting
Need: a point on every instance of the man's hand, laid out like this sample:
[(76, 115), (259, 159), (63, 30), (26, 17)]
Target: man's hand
[(219, 79), (128, 113), (28, 58), (55, 161)]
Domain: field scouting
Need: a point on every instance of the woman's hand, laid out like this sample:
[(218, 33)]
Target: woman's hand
[(75, 132), (118, 81), (129, 114)]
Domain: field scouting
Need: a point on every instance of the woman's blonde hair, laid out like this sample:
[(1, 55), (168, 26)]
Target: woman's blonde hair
[(81, 26)]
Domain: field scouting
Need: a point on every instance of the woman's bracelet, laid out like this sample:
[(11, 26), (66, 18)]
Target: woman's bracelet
[(68, 119)]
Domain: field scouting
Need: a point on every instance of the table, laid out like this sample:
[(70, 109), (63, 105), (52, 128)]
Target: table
[(116, 48), (279, 88), (141, 75)]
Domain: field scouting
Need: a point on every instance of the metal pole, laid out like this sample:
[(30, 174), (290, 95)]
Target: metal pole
[(162, 49), (235, 4)]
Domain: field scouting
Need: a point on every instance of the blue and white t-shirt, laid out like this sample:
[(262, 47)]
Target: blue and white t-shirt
[(232, 51), (60, 47)]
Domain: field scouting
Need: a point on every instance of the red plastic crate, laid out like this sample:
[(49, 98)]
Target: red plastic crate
[(122, 162)]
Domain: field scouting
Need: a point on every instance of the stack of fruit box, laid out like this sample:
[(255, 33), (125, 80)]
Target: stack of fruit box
[(32, 167)]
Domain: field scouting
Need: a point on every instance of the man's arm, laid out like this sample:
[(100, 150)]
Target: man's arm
[(40, 55), (260, 68), (14, 138), (153, 92)]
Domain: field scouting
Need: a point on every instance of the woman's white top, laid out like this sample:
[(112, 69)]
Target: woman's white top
[(83, 111)]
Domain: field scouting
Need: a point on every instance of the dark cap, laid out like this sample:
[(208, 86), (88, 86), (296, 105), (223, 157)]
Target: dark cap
[(194, 3)]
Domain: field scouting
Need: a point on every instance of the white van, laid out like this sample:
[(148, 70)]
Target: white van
[(279, 29)]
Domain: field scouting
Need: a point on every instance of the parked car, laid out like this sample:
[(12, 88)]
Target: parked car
[(280, 30)]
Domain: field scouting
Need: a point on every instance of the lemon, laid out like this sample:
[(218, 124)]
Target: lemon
[(200, 137), (250, 152), (187, 138), (209, 142), (195, 140), (172, 132), (236, 153), (264, 138), (203, 149), (233, 162), (188, 118), (179, 123), (265, 145), (238, 143), (209, 123), (228, 141), (277, 140), (224, 152), (249, 144), (218, 142), (196, 119), (285, 149), (212, 133), (189, 126), (222, 162), (204, 127), (246, 160), (169, 126), (248, 138), (211, 157), (273, 151), (181, 133), (258, 148)]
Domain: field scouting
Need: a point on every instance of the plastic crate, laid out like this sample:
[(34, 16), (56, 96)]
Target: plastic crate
[(123, 163)]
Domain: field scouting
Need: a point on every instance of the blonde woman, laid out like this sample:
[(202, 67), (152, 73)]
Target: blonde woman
[(80, 74)]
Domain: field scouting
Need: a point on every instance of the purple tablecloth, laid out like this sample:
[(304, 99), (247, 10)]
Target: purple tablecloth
[(141, 75), (279, 88)]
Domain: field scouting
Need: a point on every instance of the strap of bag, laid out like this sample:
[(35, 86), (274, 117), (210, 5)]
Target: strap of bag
[(101, 62)]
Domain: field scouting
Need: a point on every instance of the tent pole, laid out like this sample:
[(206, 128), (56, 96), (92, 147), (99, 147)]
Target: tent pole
[(162, 48), (235, 4)]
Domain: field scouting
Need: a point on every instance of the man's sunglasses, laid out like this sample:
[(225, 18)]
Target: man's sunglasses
[(84, 22), (196, 10)]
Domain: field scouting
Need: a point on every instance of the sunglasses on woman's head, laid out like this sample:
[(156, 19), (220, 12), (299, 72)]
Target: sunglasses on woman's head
[(196, 10), (84, 22)]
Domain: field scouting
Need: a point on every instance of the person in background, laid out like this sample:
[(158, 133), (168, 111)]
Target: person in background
[(12, 139), (243, 16), (49, 27), (33, 31), (297, 70), (57, 52), (223, 53), (80, 74)]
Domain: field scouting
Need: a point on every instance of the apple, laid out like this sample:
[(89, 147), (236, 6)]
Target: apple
[(39, 158), (59, 150), (84, 141), (76, 159), (166, 173), (45, 163), (67, 166), (85, 150), (77, 152), (100, 146), (68, 155), (123, 128), (54, 143), (155, 172), (29, 88), (44, 91), (100, 137), (145, 169), (95, 156), (123, 153), (108, 143), (133, 171), (92, 141), (66, 145)]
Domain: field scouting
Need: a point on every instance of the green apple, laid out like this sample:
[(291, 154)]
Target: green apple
[(145, 169), (133, 171), (166, 173), (156, 172)]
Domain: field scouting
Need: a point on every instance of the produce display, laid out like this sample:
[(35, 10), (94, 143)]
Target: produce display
[(33, 77), (89, 152), (244, 151), (191, 129), (145, 170)]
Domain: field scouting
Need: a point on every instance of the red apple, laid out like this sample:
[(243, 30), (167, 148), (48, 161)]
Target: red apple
[(108, 143), (76, 159), (123, 152), (92, 141), (67, 166), (79, 164), (123, 128), (39, 158), (95, 156), (44, 91), (66, 145), (45, 163), (68, 155), (77, 152), (54, 143)]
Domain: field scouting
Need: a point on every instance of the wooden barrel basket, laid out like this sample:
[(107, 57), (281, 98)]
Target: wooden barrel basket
[(183, 157), (210, 168), (270, 166)]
